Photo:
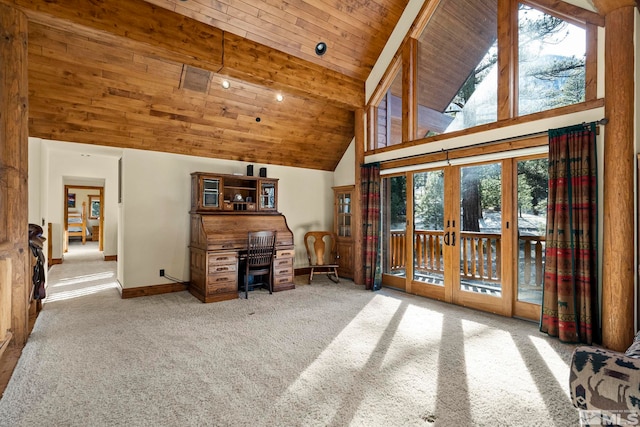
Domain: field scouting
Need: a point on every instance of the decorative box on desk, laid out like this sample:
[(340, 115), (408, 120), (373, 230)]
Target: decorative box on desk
[(220, 223)]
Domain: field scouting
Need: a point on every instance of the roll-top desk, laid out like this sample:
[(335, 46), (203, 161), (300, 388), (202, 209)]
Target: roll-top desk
[(220, 222)]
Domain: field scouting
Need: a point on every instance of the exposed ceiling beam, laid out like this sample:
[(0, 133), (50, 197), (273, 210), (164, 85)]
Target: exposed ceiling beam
[(182, 39)]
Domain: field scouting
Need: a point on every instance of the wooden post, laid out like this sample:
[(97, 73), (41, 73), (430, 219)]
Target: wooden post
[(358, 257), (13, 164), (409, 89), (618, 248)]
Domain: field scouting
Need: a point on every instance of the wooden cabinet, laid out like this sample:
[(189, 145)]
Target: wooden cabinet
[(343, 221), (211, 193), (224, 208)]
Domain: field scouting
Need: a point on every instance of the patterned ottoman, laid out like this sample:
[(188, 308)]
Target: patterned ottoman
[(605, 385)]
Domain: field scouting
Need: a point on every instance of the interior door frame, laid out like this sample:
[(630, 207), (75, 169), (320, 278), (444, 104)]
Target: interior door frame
[(67, 187)]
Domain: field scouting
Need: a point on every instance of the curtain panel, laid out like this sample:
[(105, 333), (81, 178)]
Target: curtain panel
[(569, 306), (370, 181)]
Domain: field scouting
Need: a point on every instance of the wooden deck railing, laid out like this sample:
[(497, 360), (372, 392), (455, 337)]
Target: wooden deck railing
[(533, 259), (481, 255)]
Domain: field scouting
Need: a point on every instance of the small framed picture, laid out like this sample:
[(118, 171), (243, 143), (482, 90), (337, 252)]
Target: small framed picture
[(71, 200)]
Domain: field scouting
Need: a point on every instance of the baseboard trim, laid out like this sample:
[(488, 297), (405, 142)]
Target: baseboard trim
[(111, 257), (145, 291), (55, 261)]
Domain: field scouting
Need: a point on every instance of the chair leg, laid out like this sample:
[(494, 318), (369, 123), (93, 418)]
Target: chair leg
[(311, 275), (335, 278), (246, 286)]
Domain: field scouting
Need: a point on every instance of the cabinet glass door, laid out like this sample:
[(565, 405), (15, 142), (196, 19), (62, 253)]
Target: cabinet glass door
[(267, 196), (344, 215), (211, 193)]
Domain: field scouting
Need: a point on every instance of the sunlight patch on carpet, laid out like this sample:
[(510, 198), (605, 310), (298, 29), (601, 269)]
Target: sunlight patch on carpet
[(84, 279), (340, 363), (76, 293), (556, 365)]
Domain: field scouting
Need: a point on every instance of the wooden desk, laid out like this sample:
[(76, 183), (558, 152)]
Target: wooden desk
[(217, 240)]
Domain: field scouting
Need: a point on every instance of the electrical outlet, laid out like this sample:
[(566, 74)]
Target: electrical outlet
[(162, 272)]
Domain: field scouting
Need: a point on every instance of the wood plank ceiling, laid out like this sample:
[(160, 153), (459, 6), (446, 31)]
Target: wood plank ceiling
[(148, 74)]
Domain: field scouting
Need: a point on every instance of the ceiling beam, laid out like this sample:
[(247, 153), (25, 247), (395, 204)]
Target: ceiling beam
[(185, 40)]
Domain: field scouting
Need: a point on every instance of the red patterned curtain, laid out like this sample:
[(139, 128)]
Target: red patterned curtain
[(570, 298), (370, 179)]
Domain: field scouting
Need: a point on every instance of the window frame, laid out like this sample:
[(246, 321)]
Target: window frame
[(93, 198)]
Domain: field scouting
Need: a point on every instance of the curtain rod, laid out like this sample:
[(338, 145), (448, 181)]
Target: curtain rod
[(603, 121)]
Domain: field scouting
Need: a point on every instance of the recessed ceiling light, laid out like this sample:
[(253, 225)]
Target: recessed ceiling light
[(279, 97), (226, 84), (321, 48)]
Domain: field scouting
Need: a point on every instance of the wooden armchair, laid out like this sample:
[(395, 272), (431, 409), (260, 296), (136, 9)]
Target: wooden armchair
[(322, 251)]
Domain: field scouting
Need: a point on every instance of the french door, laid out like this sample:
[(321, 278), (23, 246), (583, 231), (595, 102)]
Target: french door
[(456, 234)]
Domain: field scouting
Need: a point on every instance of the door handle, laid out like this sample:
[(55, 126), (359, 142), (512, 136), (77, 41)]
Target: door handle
[(453, 238), (446, 238)]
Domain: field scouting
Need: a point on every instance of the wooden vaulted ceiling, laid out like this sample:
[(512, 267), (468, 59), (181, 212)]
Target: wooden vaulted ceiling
[(147, 74)]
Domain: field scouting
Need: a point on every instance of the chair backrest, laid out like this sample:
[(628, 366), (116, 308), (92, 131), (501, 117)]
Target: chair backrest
[(260, 248), (321, 247)]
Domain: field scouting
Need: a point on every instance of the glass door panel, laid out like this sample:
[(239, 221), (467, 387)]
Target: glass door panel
[(344, 214), (267, 196), (480, 236), (211, 191), (394, 220), (533, 189), (428, 221)]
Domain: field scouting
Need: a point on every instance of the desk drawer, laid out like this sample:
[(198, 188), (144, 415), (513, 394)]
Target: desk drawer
[(282, 263), (229, 276), (221, 258), (221, 287), (283, 271), (217, 269), (285, 253), (282, 280)]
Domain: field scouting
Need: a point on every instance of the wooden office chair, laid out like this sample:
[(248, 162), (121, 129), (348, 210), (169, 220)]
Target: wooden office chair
[(322, 251), (261, 246)]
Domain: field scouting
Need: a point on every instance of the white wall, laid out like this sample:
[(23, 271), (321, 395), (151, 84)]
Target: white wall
[(345, 171), (154, 232)]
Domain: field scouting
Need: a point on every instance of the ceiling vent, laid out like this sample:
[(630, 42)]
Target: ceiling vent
[(195, 79)]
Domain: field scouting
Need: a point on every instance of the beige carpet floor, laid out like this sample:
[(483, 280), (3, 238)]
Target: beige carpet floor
[(320, 355)]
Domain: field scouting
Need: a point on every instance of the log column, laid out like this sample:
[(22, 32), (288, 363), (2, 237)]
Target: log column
[(618, 195), (356, 205), (13, 166)]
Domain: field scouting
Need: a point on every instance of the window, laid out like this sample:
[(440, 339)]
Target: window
[(389, 115), (94, 207), (467, 74), (457, 67), (551, 61)]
